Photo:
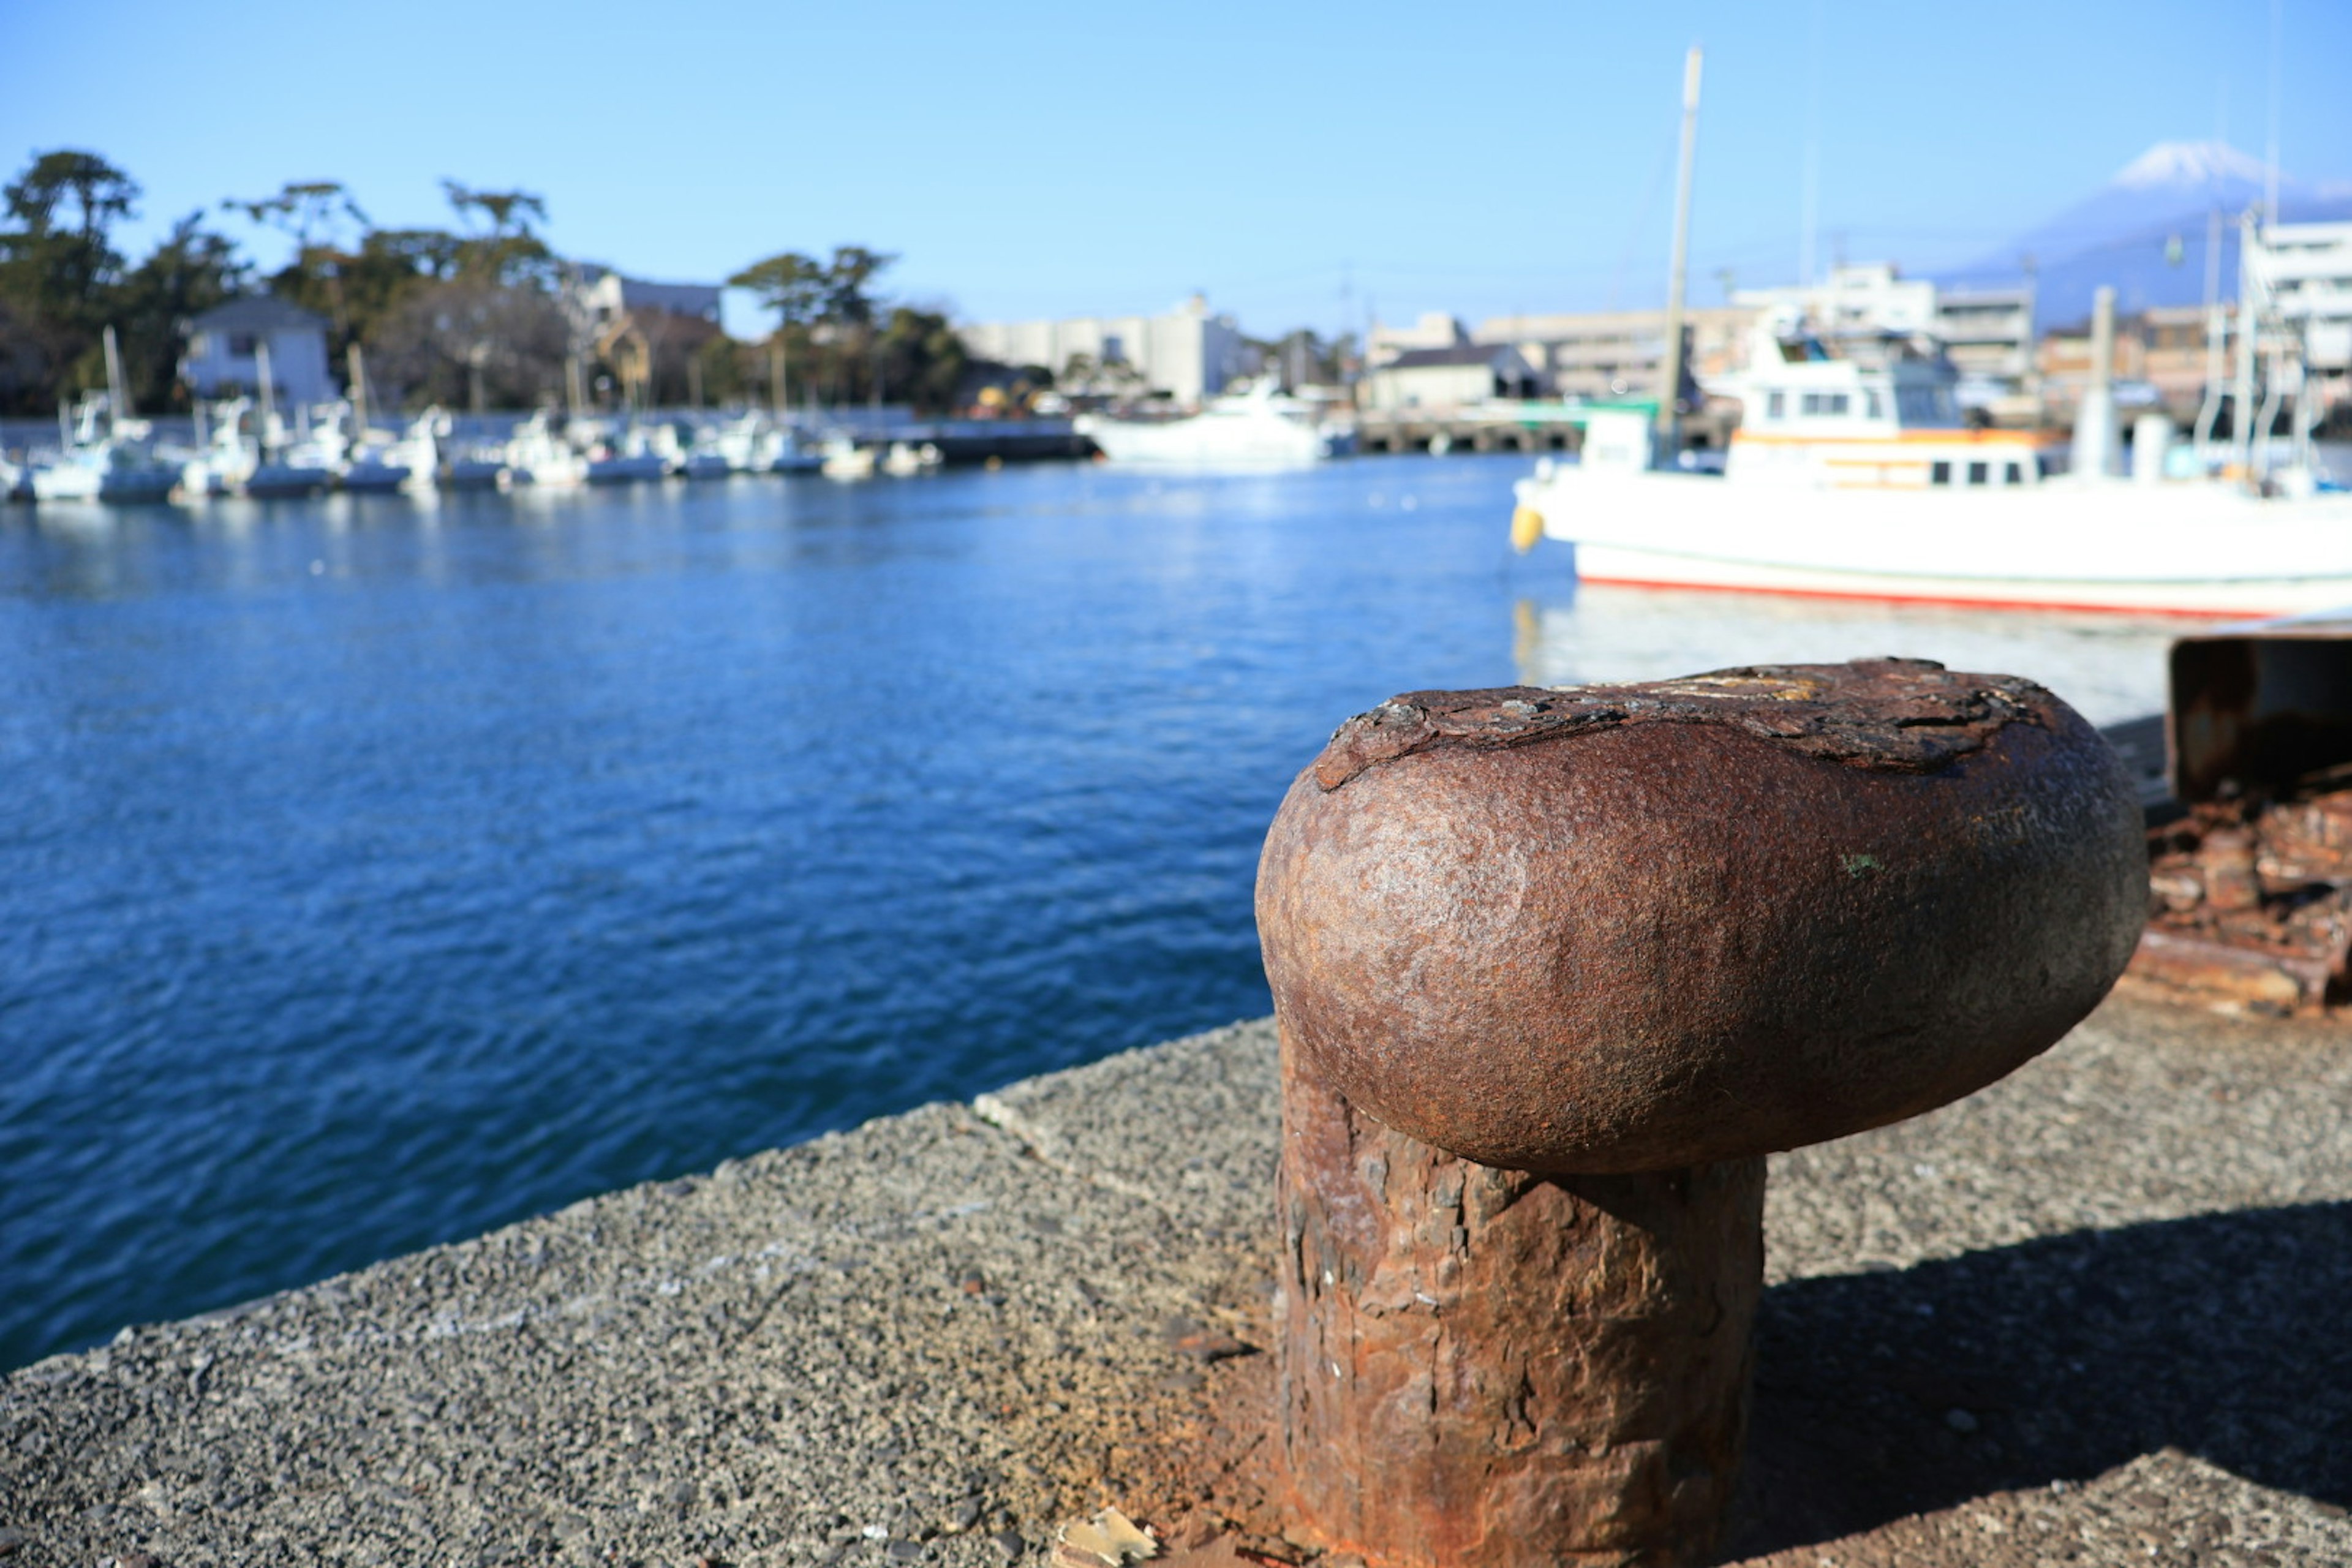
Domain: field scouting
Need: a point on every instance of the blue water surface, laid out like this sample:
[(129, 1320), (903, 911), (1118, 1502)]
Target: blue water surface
[(373, 872)]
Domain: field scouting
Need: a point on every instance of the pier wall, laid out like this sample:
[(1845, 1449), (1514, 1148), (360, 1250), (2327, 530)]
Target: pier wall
[(930, 1339)]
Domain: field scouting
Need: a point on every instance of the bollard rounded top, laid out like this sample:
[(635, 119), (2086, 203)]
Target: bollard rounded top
[(1626, 928)]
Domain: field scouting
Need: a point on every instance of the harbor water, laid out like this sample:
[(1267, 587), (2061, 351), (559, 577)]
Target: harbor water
[(374, 871)]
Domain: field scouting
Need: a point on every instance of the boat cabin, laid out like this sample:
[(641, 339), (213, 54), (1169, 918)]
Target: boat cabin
[(1876, 412)]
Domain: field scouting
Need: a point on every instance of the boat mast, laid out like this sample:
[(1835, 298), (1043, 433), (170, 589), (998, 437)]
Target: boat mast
[(269, 404), (2209, 408), (118, 392), (358, 369), (2241, 413), (1670, 391)]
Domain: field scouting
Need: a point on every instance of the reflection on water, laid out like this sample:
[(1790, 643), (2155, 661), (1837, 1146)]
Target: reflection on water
[(374, 871), (2111, 667)]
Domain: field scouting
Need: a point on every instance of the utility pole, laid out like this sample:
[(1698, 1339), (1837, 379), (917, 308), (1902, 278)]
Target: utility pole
[(1669, 391)]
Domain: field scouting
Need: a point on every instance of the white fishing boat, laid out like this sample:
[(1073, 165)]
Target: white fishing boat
[(104, 454), (1852, 475), (1257, 427), (750, 443), (906, 460), (376, 460), (536, 454), (408, 462), (634, 457), (844, 458)]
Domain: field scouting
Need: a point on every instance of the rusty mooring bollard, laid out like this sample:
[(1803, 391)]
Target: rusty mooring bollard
[(1554, 970)]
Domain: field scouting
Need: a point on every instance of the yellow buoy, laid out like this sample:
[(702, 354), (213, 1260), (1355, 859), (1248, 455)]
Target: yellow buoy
[(1527, 527)]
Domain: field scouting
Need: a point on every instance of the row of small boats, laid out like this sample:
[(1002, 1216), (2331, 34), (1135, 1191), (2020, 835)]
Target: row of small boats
[(242, 448)]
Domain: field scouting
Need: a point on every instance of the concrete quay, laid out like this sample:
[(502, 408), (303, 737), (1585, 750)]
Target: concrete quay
[(2099, 1313)]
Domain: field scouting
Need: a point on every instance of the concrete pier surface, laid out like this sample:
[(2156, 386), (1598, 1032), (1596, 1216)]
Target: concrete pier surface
[(2099, 1313)]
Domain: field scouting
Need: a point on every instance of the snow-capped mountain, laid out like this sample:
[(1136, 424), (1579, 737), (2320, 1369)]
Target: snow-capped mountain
[(2143, 231)]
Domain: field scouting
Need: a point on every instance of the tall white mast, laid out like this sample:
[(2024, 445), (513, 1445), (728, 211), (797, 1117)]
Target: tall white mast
[(1669, 391)]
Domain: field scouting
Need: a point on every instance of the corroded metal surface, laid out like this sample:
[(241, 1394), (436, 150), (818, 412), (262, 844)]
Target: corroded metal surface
[(1491, 1369), (1648, 927), (2250, 900)]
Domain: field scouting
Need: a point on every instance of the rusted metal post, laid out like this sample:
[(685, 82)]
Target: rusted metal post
[(1554, 970)]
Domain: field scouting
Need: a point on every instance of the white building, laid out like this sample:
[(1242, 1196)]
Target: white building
[(2300, 277), (223, 356), (1584, 355), (1866, 297), (1459, 375), (1988, 334), (1434, 330), (1186, 353), (600, 295)]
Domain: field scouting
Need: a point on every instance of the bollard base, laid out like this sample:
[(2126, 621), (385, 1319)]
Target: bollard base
[(1482, 1368)]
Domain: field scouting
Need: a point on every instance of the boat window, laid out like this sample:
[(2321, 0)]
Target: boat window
[(1980, 473), (1870, 403), (1825, 402), (2013, 474), (1939, 473), (1776, 405)]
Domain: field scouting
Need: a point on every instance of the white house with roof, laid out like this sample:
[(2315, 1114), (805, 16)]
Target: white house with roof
[(223, 343), (1457, 376), (601, 295)]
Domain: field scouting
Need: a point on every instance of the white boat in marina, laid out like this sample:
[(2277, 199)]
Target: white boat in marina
[(906, 460), (1855, 478), (536, 455), (376, 460), (1852, 475), (844, 458), (1259, 426), (408, 462), (102, 459), (637, 456), (751, 443), (104, 454)]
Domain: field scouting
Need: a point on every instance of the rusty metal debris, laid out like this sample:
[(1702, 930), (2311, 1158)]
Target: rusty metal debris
[(2250, 888), (2250, 900)]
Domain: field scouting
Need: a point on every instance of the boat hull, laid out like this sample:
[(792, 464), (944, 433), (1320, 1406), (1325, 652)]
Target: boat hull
[(2190, 550)]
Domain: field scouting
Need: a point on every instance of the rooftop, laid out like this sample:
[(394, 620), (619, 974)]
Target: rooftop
[(257, 312)]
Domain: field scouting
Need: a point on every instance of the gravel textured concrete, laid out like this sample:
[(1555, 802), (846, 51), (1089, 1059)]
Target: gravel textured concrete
[(2101, 1313)]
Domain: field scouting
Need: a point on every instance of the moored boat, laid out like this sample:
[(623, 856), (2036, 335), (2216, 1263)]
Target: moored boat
[(1259, 426), (1855, 478)]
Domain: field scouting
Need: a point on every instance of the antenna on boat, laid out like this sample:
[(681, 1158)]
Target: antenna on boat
[(2271, 151), (1809, 213), (1669, 391)]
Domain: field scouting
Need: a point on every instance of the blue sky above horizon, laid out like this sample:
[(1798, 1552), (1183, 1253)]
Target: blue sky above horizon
[(1298, 164)]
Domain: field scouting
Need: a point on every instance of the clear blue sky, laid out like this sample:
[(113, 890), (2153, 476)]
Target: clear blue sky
[(1029, 159)]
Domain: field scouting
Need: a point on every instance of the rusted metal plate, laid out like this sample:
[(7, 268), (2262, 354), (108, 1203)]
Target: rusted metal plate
[(1643, 927)]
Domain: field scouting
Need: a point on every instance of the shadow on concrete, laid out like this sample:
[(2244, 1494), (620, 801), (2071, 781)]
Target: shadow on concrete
[(2229, 1336)]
